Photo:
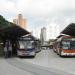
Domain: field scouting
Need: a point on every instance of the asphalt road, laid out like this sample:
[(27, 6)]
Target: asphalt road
[(8, 69), (50, 60), (45, 63), (35, 69), (30, 68)]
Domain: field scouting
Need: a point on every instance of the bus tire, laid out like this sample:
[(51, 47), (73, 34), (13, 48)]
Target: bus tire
[(60, 54), (57, 51), (54, 50)]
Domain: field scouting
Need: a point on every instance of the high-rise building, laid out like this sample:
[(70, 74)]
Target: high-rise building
[(20, 21), (43, 35)]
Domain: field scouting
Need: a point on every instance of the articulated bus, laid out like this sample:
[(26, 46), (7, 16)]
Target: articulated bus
[(65, 46), (25, 47)]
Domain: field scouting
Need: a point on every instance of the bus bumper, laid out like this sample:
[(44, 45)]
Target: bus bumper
[(67, 54), (26, 54)]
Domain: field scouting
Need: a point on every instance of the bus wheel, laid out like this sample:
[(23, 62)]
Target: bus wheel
[(60, 54), (57, 52), (54, 50)]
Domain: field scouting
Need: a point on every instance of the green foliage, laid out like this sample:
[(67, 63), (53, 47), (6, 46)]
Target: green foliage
[(3, 23)]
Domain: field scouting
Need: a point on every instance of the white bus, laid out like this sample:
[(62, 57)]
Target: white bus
[(25, 47)]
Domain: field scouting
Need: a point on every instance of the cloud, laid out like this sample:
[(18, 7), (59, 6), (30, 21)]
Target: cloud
[(7, 6), (52, 30)]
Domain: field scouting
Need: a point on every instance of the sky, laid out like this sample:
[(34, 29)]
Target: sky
[(55, 15)]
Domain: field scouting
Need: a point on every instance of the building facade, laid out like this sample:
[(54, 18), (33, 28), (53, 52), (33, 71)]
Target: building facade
[(20, 21), (43, 35)]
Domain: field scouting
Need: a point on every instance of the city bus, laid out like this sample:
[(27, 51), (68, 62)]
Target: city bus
[(25, 47), (65, 46)]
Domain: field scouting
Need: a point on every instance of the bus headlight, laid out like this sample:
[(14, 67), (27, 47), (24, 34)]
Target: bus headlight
[(21, 47), (32, 53)]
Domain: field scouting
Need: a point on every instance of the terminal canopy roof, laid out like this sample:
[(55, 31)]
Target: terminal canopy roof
[(9, 30), (69, 30), (13, 32)]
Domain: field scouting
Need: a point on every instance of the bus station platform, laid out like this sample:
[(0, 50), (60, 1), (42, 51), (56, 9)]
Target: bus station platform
[(9, 32)]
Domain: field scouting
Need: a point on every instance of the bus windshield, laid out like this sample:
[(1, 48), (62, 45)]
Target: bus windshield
[(68, 43), (26, 44)]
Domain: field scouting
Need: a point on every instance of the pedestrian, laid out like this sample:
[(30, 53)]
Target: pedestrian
[(6, 50), (10, 49)]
